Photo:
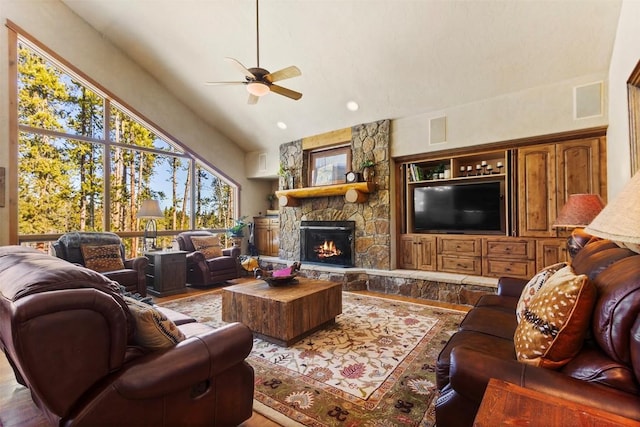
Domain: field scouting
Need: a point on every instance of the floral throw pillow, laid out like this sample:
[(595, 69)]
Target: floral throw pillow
[(534, 285), (554, 325), (208, 245), (102, 258)]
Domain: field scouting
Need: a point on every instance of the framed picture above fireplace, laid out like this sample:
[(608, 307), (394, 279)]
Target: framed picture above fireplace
[(329, 166)]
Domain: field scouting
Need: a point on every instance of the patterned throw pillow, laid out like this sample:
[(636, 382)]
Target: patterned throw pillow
[(534, 285), (208, 245), (154, 331), (102, 258), (553, 327)]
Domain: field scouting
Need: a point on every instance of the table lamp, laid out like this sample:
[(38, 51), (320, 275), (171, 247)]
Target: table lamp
[(150, 209), (619, 221)]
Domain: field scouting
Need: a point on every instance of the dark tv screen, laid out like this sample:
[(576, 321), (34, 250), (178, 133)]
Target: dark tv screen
[(459, 208)]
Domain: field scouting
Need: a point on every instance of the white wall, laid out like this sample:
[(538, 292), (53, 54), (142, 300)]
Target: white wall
[(53, 24), (625, 56), (535, 111)]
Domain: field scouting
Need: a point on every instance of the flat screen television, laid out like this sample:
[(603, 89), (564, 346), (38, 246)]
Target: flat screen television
[(473, 208)]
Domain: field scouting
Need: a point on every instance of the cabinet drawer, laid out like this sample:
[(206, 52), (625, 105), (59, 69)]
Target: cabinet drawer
[(460, 246), (459, 264), (508, 267), (521, 249)]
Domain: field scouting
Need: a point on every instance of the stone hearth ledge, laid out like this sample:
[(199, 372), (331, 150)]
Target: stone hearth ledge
[(429, 285)]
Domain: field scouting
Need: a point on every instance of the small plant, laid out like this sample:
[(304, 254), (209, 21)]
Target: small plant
[(271, 198), (282, 171), (238, 229), (367, 163)]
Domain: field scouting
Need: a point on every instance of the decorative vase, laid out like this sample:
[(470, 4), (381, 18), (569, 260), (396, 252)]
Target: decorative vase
[(290, 181), (367, 173)]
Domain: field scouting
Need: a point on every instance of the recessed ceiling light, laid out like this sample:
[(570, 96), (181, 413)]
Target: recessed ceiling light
[(352, 106), (282, 125)]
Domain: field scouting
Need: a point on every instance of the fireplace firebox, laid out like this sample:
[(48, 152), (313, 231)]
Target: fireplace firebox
[(328, 242)]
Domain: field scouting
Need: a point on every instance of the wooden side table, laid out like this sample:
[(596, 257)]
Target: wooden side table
[(166, 272), (508, 404)]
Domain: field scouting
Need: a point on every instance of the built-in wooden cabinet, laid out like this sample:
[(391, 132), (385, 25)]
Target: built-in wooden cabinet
[(539, 174), (460, 254), (418, 252), (508, 256), (548, 174), (267, 235), (551, 251)]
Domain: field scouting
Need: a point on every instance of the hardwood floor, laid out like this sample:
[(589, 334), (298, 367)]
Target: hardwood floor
[(17, 408)]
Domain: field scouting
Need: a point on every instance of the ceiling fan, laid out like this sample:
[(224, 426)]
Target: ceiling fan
[(259, 81)]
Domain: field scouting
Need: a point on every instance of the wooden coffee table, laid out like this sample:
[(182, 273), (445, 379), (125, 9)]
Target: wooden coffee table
[(283, 314)]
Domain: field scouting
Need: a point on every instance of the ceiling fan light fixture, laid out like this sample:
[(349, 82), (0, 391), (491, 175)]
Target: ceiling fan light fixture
[(258, 88)]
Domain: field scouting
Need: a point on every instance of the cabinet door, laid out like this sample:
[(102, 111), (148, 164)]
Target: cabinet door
[(551, 251), (408, 247), (274, 237), (427, 253), (261, 239), (578, 168), (536, 190)]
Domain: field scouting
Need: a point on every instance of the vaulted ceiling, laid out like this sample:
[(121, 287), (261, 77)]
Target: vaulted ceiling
[(395, 58)]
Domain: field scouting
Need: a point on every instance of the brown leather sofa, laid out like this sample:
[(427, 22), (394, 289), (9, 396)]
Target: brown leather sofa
[(68, 334), (132, 276), (604, 374), (202, 271)]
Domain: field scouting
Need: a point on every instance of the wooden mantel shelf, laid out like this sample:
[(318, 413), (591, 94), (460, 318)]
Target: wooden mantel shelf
[(354, 193)]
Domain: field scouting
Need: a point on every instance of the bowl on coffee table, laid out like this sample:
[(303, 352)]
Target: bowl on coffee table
[(283, 277)]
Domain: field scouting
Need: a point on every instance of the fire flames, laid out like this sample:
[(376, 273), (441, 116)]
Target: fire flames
[(327, 250)]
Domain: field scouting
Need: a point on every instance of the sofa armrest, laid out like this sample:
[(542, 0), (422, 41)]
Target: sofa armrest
[(471, 370), (511, 286), (191, 362), (233, 252), (138, 263), (194, 258)]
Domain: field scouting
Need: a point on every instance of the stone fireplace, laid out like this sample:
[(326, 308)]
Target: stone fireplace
[(371, 244), (328, 242)]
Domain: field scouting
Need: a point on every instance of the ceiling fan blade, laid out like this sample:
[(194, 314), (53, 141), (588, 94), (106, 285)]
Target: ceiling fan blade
[(241, 68), (285, 92), (224, 83), (252, 99), (285, 73)]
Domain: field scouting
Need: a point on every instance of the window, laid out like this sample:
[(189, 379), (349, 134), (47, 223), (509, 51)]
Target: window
[(81, 169), (329, 166)]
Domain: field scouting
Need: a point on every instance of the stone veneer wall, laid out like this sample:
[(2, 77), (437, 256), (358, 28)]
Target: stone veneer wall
[(452, 289), (372, 218)]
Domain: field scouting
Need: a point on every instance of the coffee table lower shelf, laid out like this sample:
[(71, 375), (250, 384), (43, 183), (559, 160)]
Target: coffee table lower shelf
[(285, 314)]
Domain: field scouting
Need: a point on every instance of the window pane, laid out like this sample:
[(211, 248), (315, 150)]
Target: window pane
[(61, 183), (127, 130), (137, 175), (214, 201), (50, 99)]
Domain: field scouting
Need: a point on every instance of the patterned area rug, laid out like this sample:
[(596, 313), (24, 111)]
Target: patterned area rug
[(374, 367)]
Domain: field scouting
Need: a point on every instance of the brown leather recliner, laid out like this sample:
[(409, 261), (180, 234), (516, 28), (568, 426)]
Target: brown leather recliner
[(206, 272), (604, 374), (132, 277), (67, 333)]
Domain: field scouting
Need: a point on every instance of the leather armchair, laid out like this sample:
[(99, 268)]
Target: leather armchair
[(132, 277), (202, 272), (67, 333)]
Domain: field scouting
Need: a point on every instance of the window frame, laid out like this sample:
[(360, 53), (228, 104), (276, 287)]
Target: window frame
[(316, 177), (16, 37)]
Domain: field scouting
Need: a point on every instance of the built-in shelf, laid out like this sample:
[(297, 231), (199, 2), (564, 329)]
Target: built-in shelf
[(355, 193)]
